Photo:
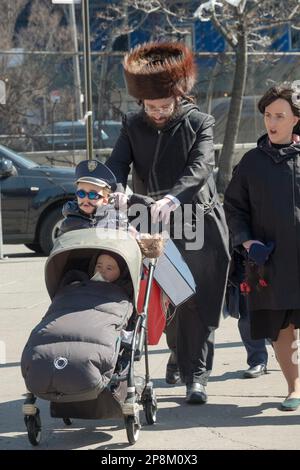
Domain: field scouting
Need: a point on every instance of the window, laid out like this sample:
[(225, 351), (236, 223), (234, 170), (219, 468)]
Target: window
[(295, 38)]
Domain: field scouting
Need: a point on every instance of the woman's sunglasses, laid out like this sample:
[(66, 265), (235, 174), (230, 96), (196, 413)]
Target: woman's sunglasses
[(92, 195)]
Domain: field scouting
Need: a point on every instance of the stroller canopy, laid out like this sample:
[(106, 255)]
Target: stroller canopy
[(77, 246)]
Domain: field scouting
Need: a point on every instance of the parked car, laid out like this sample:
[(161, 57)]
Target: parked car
[(72, 135), (32, 197)]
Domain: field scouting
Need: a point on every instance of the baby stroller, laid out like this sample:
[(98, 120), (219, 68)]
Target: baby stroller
[(84, 368)]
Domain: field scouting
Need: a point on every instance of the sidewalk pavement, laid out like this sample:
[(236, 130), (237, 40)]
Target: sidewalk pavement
[(240, 413)]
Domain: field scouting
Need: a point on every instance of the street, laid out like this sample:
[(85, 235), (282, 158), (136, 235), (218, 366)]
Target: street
[(240, 413)]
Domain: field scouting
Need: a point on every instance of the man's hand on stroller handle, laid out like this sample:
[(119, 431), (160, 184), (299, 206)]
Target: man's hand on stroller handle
[(161, 210)]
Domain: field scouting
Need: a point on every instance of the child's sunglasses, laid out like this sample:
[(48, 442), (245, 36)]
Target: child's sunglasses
[(92, 195)]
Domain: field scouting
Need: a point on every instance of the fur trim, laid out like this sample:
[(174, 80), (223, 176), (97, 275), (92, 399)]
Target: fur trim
[(152, 246), (158, 70)]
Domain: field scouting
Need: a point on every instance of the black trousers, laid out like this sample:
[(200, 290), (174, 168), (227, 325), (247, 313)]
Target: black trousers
[(191, 343)]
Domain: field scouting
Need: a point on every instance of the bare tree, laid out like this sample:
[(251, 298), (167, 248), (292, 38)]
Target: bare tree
[(246, 26), (119, 19), (28, 76)]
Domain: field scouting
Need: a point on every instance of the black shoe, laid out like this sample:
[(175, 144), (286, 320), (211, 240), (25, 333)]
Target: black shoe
[(172, 374), (195, 393), (255, 371)]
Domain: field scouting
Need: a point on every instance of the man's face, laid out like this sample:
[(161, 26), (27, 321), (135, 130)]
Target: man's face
[(88, 203), (160, 111)]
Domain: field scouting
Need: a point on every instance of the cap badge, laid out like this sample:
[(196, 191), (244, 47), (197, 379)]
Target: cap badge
[(92, 165)]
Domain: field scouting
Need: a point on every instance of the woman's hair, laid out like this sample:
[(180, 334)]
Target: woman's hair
[(285, 92)]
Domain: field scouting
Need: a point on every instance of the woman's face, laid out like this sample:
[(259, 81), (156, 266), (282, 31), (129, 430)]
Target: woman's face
[(108, 268), (279, 121)]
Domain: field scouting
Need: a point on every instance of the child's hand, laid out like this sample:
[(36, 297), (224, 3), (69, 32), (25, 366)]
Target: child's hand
[(121, 200)]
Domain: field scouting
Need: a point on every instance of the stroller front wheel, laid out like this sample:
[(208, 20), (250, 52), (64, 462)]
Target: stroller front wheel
[(149, 402), (150, 408), (132, 425), (34, 428)]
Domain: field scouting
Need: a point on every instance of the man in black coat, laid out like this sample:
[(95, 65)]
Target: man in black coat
[(170, 144)]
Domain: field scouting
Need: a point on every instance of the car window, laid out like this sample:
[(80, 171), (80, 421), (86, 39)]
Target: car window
[(16, 158), (112, 131), (68, 134)]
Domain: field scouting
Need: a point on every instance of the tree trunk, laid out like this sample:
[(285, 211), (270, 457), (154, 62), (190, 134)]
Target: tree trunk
[(210, 88), (234, 115)]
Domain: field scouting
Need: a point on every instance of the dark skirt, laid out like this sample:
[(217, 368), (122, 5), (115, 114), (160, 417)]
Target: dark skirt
[(268, 323)]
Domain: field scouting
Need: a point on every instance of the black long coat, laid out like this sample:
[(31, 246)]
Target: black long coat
[(262, 202), (179, 160)]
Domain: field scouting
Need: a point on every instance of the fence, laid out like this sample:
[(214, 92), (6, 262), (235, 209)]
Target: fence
[(34, 107)]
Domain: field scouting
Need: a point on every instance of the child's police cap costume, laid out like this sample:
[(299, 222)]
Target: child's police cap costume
[(95, 172)]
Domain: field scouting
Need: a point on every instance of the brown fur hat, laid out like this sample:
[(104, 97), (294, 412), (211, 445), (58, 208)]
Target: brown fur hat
[(158, 70)]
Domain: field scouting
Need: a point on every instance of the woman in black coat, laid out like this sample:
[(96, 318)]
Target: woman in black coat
[(262, 206)]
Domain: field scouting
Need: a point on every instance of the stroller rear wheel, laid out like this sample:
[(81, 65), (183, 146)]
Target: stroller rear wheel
[(132, 425), (150, 408), (34, 428)]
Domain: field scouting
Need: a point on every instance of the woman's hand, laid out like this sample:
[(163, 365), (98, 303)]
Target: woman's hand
[(248, 243)]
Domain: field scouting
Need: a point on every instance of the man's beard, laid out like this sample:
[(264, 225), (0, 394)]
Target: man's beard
[(156, 125)]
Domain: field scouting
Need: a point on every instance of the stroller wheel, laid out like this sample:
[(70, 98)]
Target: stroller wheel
[(150, 408), (149, 402), (132, 428), (67, 421), (33, 425)]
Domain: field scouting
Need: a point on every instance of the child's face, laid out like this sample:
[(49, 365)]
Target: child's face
[(108, 268), (89, 205)]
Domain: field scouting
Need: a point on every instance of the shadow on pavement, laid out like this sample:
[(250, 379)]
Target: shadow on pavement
[(55, 434), (84, 433), (24, 255), (10, 364)]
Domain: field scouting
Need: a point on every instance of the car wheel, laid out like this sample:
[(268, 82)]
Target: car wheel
[(34, 247), (49, 229)]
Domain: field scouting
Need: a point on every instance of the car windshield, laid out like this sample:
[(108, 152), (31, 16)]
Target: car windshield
[(17, 158)]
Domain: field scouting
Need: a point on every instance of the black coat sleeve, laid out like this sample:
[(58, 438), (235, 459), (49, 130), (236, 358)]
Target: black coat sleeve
[(121, 158), (140, 199), (237, 206), (199, 165)]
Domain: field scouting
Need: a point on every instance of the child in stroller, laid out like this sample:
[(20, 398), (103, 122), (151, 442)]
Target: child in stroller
[(72, 355)]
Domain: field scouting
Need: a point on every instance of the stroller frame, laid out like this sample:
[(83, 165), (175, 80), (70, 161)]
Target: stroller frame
[(131, 406)]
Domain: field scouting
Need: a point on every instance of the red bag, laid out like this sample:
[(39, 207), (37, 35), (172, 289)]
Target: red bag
[(157, 308)]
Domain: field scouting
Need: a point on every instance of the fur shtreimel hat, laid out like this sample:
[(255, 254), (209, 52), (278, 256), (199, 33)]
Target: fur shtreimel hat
[(158, 70)]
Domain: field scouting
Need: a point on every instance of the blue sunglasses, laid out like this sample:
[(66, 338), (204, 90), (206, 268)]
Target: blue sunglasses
[(92, 195)]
